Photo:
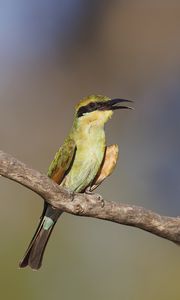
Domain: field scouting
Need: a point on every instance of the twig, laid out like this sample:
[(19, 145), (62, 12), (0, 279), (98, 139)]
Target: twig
[(89, 205)]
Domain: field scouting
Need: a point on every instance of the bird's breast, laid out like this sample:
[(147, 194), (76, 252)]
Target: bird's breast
[(87, 161)]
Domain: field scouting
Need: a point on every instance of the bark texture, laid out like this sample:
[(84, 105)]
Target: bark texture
[(89, 205)]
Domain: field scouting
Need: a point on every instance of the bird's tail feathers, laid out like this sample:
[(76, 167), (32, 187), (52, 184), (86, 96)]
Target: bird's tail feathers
[(35, 251)]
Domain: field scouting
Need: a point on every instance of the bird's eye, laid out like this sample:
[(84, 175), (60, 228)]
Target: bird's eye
[(92, 105), (87, 109)]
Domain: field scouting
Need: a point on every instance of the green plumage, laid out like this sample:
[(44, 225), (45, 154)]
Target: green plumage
[(63, 157), (75, 165)]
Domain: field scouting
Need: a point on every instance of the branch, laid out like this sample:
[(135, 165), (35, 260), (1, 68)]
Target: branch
[(89, 205)]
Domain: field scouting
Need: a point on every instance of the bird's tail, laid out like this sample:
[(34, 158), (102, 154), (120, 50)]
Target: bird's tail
[(35, 251)]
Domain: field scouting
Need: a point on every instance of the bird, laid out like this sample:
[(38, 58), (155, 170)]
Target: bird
[(81, 164)]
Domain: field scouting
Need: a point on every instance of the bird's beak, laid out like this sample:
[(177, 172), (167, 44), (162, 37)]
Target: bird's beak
[(115, 104)]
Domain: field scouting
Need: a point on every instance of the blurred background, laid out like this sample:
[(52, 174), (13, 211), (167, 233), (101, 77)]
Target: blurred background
[(52, 53)]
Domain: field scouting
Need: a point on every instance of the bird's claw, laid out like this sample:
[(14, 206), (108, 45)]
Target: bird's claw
[(88, 191)]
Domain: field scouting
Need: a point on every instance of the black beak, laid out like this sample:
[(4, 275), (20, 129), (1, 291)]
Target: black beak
[(113, 104)]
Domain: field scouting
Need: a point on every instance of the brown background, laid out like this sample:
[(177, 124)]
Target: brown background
[(52, 53)]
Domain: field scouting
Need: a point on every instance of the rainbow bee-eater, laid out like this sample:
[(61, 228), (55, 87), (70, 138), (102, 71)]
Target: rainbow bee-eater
[(80, 165)]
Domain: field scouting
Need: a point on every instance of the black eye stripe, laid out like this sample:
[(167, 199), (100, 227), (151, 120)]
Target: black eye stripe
[(88, 108), (92, 106)]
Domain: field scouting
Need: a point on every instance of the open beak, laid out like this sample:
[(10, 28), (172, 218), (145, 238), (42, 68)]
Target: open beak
[(115, 104)]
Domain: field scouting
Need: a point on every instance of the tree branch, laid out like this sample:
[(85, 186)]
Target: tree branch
[(89, 205)]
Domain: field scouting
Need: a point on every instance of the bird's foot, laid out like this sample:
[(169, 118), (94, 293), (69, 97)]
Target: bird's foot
[(89, 191)]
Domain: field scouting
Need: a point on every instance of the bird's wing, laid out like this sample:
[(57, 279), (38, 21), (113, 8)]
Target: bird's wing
[(107, 167), (62, 161)]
